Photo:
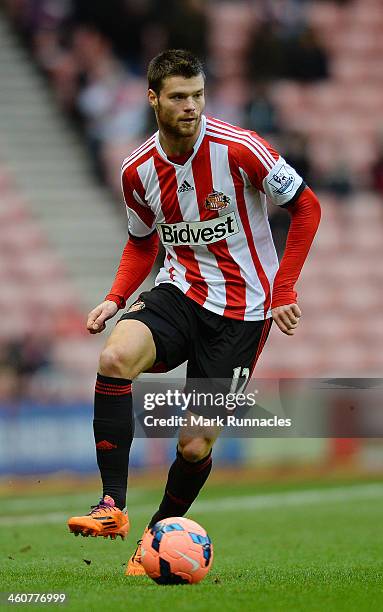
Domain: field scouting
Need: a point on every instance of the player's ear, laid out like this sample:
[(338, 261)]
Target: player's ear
[(153, 98)]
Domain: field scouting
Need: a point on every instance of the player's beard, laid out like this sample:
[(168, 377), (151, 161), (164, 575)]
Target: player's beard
[(175, 127)]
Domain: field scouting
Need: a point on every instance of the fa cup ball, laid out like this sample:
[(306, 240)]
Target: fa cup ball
[(176, 550)]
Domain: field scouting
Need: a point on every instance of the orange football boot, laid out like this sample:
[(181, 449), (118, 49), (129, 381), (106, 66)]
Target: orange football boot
[(135, 567), (103, 520)]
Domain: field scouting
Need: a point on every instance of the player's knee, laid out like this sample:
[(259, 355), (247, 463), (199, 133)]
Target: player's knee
[(195, 449), (111, 362), (116, 362)]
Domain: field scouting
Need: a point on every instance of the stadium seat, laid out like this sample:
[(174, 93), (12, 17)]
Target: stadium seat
[(40, 266)]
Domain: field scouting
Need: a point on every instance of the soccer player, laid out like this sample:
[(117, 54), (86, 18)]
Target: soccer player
[(200, 186)]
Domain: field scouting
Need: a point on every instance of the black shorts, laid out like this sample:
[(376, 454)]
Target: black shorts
[(214, 346)]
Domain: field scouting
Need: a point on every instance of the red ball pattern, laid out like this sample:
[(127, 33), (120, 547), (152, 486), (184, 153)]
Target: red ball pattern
[(177, 550)]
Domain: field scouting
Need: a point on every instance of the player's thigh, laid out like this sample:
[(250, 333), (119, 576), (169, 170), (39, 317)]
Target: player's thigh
[(131, 343), (170, 319), (221, 363), (227, 358)]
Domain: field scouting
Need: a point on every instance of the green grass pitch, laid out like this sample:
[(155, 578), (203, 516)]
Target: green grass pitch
[(277, 547)]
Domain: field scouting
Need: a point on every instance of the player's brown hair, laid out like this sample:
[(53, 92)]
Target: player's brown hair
[(173, 62)]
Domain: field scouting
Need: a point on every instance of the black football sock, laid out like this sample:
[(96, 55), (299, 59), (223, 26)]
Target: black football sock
[(113, 427), (185, 480)]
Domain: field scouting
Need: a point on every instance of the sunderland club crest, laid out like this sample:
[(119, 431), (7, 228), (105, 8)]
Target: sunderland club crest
[(136, 306), (217, 200)]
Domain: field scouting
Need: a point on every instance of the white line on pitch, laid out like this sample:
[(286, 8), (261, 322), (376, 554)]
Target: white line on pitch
[(224, 504), (53, 502)]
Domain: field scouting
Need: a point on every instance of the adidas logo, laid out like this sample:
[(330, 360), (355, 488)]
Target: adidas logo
[(185, 187)]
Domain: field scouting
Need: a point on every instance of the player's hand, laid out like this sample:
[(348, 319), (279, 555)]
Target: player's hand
[(99, 315), (287, 318)]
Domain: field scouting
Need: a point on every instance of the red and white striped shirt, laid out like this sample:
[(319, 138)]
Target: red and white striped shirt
[(211, 215)]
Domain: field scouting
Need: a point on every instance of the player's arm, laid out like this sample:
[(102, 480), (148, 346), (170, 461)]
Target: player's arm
[(305, 216), (136, 262), (272, 175), (137, 258)]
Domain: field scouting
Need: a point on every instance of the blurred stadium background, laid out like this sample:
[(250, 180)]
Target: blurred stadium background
[(307, 75)]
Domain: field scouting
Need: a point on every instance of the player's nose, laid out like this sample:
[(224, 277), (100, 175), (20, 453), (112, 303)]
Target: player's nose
[(189, 105)]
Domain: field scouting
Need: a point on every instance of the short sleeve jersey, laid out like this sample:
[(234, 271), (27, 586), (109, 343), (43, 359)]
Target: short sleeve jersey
[(211, 215)]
